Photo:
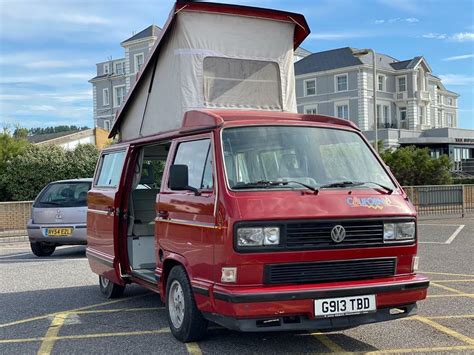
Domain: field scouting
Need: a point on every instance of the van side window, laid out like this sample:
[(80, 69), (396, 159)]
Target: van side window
[(197, 155), (111, 169)]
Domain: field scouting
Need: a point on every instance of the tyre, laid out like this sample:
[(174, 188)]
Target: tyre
[(109, 289), (42, 249), (184, 318)]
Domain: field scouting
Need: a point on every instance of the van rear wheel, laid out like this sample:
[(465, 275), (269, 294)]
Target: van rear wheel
[(42, 249), (109, 289), (184, 318)]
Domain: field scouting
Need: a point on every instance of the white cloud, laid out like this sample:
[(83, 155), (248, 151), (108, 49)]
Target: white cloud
[(433, 35), (463, 36), (333, 36), (396, 20), (459, 57), (457, 79), (457, 37)]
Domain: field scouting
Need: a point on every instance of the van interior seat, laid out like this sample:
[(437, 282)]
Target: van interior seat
[(143, 202)]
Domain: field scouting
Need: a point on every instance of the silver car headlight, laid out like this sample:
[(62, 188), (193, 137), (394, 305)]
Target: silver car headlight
[(399, 232), (258, 236)]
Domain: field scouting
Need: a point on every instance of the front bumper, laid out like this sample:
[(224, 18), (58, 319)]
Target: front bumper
[(78, 236), (292, 307)]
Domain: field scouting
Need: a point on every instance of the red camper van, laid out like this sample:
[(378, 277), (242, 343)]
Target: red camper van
[(255, 218)]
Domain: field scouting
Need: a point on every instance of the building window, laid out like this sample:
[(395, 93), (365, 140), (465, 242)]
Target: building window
[(440, 118), (342, 111), (383, 117), (309, 87), (402, 116), (311, 110), (381, 82), (402, 83), (107, 125), (120, 68), (105, 97), (106, 68), (450, 101), (440, 99), (341, 82), (450, 119), (421, 114), (139, 58), (119, 95)]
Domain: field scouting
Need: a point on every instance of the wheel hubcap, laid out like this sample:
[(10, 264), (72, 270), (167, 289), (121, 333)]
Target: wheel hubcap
[(104, 282), (176, 304)]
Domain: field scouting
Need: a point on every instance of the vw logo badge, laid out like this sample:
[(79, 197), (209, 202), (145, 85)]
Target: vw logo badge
[(338, 233)]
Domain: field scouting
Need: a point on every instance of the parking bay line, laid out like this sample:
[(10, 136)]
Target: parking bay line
[(85, 336), (27, 320), (328, 343), (52, 333), (193, 348), (445, 273), (449, 289), (445, 330)]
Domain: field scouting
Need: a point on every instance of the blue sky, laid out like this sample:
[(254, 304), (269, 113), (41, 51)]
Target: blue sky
[(48, 49)]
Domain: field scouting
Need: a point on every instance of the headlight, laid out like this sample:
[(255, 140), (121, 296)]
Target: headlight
[(255, 237), (393, 232)]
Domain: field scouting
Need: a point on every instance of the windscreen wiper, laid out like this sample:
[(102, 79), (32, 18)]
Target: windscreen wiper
[(355, 183), (265, 183)]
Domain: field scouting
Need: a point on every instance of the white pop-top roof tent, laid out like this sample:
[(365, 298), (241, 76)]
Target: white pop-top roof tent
[(213, 55)]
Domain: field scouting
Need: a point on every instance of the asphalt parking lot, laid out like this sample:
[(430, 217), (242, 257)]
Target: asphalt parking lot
[(53, 305)]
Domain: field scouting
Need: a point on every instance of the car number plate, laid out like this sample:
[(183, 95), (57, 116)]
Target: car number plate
[(58, 232), (337, 307)]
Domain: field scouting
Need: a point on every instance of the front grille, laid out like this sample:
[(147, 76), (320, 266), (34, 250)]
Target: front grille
[(315, 272), (317, 235)]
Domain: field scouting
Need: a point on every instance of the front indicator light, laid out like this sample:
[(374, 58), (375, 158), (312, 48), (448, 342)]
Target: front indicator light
[(229, 274)]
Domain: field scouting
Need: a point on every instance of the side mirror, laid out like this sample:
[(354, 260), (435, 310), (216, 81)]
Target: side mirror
[(179, 179)]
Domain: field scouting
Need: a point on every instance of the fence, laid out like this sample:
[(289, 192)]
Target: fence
[(14, 217), (442, 199)]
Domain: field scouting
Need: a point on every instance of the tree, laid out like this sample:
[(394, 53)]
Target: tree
[(414, 166), (26, 174)]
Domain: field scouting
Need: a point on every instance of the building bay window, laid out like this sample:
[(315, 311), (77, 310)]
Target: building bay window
[(401, 84)]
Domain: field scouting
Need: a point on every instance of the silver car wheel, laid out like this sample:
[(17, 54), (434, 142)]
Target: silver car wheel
[(176, 304), (104, 283)]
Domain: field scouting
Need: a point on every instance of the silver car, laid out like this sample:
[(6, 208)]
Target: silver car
[(59, 216)]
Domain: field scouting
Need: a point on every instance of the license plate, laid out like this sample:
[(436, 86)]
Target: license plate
[(58, 232), (337, 307)]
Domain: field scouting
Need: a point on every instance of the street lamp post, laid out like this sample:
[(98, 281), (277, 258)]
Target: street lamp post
[(360, 53)]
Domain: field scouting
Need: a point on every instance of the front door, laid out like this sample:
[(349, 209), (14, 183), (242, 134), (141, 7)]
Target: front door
[(186, 221), (103, 215)]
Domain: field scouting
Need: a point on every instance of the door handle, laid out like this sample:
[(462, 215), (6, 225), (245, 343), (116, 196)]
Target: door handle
[(163, 214)]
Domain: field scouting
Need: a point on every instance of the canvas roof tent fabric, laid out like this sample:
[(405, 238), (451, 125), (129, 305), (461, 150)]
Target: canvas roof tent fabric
[(213, 56)]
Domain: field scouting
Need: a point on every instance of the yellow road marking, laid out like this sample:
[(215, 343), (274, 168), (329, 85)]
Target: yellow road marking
[(450, 289), (452, 295), (445, 273), (193, 349), (85, 336), (53, 331), (328, 343), (146, 309), (447, 281), (71, 311), (420, 350), (462, 316), (445, 330)]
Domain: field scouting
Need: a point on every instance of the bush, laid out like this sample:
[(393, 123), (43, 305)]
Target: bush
[(26, 174), (414, 166)]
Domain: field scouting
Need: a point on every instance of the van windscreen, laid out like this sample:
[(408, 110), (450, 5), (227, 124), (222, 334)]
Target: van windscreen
[(64, 194), (307, 155)]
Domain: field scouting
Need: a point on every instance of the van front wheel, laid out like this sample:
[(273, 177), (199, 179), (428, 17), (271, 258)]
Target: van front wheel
[(109, 289), (185, 320)]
